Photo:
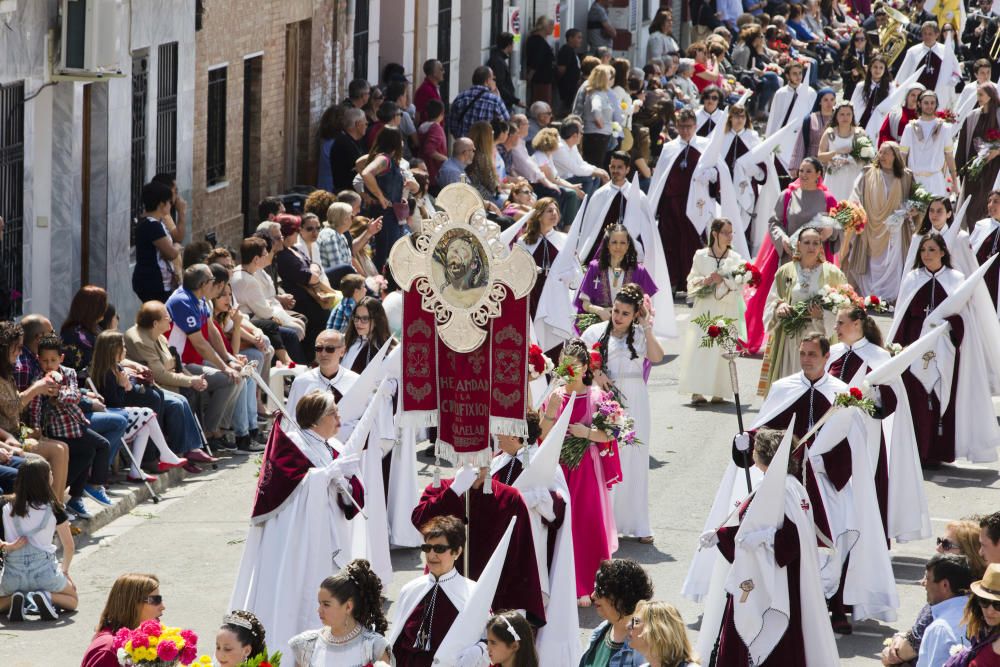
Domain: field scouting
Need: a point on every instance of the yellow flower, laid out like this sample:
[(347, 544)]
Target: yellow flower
[(128, 646), (154, 640)]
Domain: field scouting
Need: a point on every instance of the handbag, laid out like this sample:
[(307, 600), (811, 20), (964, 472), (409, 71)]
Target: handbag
[(401, 210), (324, 295)]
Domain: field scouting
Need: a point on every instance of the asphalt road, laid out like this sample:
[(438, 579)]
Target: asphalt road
[(193, 540)]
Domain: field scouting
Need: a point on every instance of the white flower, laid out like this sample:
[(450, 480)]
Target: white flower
[(868, 152), (955, 649)]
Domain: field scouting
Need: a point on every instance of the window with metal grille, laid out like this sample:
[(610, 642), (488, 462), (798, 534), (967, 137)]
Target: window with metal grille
[(166, 109), (11, 198), (215, 161), (444, 46), (361, 11), (140, 95)]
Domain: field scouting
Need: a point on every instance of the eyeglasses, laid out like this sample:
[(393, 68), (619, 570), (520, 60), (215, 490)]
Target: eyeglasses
[(986, 604), (154, 599), (436, 548), (946, 544), (362, 318), (329, 349)]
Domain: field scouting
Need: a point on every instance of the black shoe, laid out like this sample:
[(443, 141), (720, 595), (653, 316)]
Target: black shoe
[(221, 445), (16, 612), (42, 602), (246, 445), (257, 435)]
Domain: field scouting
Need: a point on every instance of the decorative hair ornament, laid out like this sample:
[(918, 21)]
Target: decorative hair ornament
[(510, 629), (232, 619)]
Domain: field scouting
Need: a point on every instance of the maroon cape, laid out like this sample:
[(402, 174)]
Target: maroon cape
[(679, 237), (444, 615), (519, 587), (283, 468)]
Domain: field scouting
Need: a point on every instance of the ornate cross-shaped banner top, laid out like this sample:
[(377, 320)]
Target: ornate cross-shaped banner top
[(461, 267), (465, 327)]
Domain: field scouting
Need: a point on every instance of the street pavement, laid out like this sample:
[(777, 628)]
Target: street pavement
[(193, 539)]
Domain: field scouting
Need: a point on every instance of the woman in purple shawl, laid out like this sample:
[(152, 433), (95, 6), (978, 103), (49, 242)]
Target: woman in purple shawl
[(617, 265)]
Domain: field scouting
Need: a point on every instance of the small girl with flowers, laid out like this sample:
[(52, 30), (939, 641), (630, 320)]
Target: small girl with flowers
[(624, 346), (595, 535)]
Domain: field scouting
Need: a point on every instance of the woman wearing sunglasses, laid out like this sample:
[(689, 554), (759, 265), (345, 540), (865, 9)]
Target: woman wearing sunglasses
[(429, 605), (134, 598), (982, 623)]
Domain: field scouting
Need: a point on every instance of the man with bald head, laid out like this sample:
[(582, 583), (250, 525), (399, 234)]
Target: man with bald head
[(453, 169), (328, 376)]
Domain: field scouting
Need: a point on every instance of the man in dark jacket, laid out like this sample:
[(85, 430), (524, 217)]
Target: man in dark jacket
[(499, 62)]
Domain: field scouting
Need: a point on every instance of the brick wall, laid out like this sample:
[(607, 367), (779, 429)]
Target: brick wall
[(232, 30)]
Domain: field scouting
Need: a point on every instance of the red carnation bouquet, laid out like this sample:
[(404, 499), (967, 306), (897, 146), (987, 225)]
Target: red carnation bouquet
[(875, 304), (947, 115), (850, 216)]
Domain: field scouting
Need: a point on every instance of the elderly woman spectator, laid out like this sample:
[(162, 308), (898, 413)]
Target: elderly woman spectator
[(335, 243), (684, 85), (145, 343), (546, 143), (539, 117), (298, 275)]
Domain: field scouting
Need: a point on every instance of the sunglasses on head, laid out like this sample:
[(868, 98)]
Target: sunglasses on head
[(946, 544), (329, 349), (154, 599), (436, 548), (986, 604)]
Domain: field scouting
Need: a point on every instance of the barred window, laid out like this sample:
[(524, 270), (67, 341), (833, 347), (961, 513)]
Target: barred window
[(215, 161), (166, 109)]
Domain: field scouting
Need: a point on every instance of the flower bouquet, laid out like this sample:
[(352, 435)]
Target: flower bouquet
[(978, 164), (863, 150), (947, 115), (263, 660), (609, 417), (850, 216), (155, 645), (719, 332), (538, 363), (855, 398), (893, 349), (875, 304), (833, 298)]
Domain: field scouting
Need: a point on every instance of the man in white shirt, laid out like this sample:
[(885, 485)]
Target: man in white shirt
[(254, 292), (569, 163), (524, 165)]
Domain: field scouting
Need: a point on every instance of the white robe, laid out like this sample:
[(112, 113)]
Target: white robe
[(925, 155), (313, 380), (779, 110), (702, 116), (277, 583), (860, 103), (907, 514), (702, 208), (557, 642), (947, 77), (855, 519), (977, 434)]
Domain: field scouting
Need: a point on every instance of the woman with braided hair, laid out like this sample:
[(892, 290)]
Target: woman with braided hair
[(626, 342), (239, 639), (350, 607), (595, 535)]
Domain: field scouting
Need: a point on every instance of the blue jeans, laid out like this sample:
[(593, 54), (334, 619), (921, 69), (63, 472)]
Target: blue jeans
[(769, 85), (110, 425), (245, 411), (180, 426), (8, 473)]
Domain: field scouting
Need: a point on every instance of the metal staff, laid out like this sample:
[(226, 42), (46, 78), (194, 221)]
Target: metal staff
[(734, 382), (281, 408)]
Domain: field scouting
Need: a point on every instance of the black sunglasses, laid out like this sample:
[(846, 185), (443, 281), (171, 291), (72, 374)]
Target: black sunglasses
[(986, 604), (946, 544), (154, 599), (329, 349), (436, 548)]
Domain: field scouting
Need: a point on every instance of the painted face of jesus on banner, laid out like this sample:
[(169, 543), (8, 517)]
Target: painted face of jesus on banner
[(460, 269)]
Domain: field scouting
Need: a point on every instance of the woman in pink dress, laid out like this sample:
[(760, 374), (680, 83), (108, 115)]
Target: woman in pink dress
[(595, 535)]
